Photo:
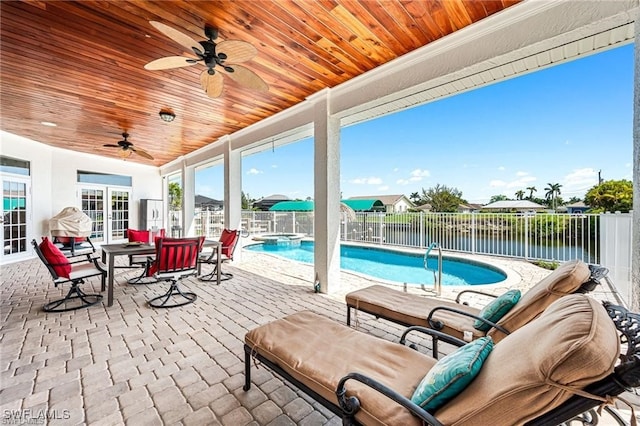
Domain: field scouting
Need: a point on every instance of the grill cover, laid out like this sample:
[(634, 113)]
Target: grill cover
[(70, 222)]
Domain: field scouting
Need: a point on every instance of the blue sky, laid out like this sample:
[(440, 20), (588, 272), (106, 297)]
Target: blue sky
[(560, 125)]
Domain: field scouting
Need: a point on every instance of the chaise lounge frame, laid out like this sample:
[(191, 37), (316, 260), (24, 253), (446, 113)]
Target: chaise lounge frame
[(596, 274), (625, 376)]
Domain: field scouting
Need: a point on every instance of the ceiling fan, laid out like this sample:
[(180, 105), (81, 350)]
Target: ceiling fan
[(126, 148), (219, 58)]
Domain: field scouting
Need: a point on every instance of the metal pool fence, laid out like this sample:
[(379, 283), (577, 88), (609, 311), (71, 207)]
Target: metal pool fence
[(554, 237)]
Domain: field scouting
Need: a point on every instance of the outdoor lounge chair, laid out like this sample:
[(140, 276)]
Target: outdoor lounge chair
[(457, 319), (228, 240), (176, 259), (563, 363), (65, 271)]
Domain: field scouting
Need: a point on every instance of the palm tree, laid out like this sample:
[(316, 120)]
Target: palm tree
[(414, 197), (531, 190), (519, 194), (553, 190)]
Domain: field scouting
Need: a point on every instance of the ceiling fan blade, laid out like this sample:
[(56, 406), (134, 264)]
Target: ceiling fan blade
[(170, 62), (142, 153), (110, 145), (236, 50), (247, 78), (175, 35), (212, 84)]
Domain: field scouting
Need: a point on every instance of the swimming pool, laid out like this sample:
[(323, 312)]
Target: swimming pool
[(392, 265)]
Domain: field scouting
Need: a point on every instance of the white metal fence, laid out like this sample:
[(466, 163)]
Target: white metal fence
[(542, 236), (599, 239)]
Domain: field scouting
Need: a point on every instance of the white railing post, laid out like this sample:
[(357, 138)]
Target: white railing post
[(526, 236), (472, 232), (421, 227)]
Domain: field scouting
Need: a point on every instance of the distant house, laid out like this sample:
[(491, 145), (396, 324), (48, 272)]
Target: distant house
[(423, 208), (513, 205), (577, 208), (266, 203), (206, 203), (392, 203), (469, 208)]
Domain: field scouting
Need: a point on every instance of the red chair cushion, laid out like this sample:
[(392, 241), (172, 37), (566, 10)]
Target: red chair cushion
[(55, 258), (136, 236), (142, 236), (228, 239)]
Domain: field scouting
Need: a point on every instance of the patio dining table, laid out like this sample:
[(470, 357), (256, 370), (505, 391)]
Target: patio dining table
[(111, 251)]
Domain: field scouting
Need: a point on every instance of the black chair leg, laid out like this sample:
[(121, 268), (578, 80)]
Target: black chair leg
[(213, 276), (143, 278), (75, 292), (163, 300)]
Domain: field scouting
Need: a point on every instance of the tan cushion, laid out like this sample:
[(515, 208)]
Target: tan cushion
[(411, 309), (574, 342), (566, 279), (319, 352)]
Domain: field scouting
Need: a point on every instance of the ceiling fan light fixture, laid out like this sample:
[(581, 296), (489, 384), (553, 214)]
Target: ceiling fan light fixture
[(167, 116), (124, 153)]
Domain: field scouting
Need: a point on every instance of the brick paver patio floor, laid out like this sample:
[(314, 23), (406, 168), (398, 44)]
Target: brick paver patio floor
[(133, 364)]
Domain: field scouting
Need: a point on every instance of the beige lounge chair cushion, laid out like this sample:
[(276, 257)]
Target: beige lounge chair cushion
[(574, 343), (412, 309), (319, 352), (566, 279)]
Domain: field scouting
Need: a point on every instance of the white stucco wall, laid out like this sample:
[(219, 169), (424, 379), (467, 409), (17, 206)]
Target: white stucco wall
[(54, 178)]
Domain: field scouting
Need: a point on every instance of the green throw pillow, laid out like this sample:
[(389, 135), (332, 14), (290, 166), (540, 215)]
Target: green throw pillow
[(449, 376), (497, 309)]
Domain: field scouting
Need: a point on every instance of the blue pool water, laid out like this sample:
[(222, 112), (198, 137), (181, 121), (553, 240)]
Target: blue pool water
[(392, 265)]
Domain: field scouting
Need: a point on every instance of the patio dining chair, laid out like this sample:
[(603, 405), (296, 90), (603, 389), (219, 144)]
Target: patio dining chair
[(176, 259), (64, 271), (504, 314), (142, 261), (228, 240)]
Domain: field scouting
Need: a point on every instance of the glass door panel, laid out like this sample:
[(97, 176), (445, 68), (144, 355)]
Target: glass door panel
[(119, 213), (15, 213), (109, 210), (92, 202)]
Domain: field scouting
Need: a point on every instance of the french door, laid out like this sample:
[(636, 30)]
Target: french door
[(108, 207), (16, 217)]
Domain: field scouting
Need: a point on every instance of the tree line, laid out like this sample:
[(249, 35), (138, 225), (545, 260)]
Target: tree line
[(611, 195)]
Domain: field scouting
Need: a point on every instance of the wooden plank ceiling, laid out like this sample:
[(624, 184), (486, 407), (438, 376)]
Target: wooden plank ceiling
[(80, 64)]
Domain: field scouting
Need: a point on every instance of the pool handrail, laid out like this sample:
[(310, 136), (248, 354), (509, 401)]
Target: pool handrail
[(437, 285)]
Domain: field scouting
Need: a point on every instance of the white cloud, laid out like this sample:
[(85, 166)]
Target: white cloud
[(383, 188), (367, 181), (579, 181), (395, 170), (254, 171), (502, 168), (522, 182), (420, 173), (274, 166), (416, 175)]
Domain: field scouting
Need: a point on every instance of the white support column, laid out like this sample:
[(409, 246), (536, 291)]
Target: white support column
[(232, 190), (188, 199), (326, 193), (635, 242)]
